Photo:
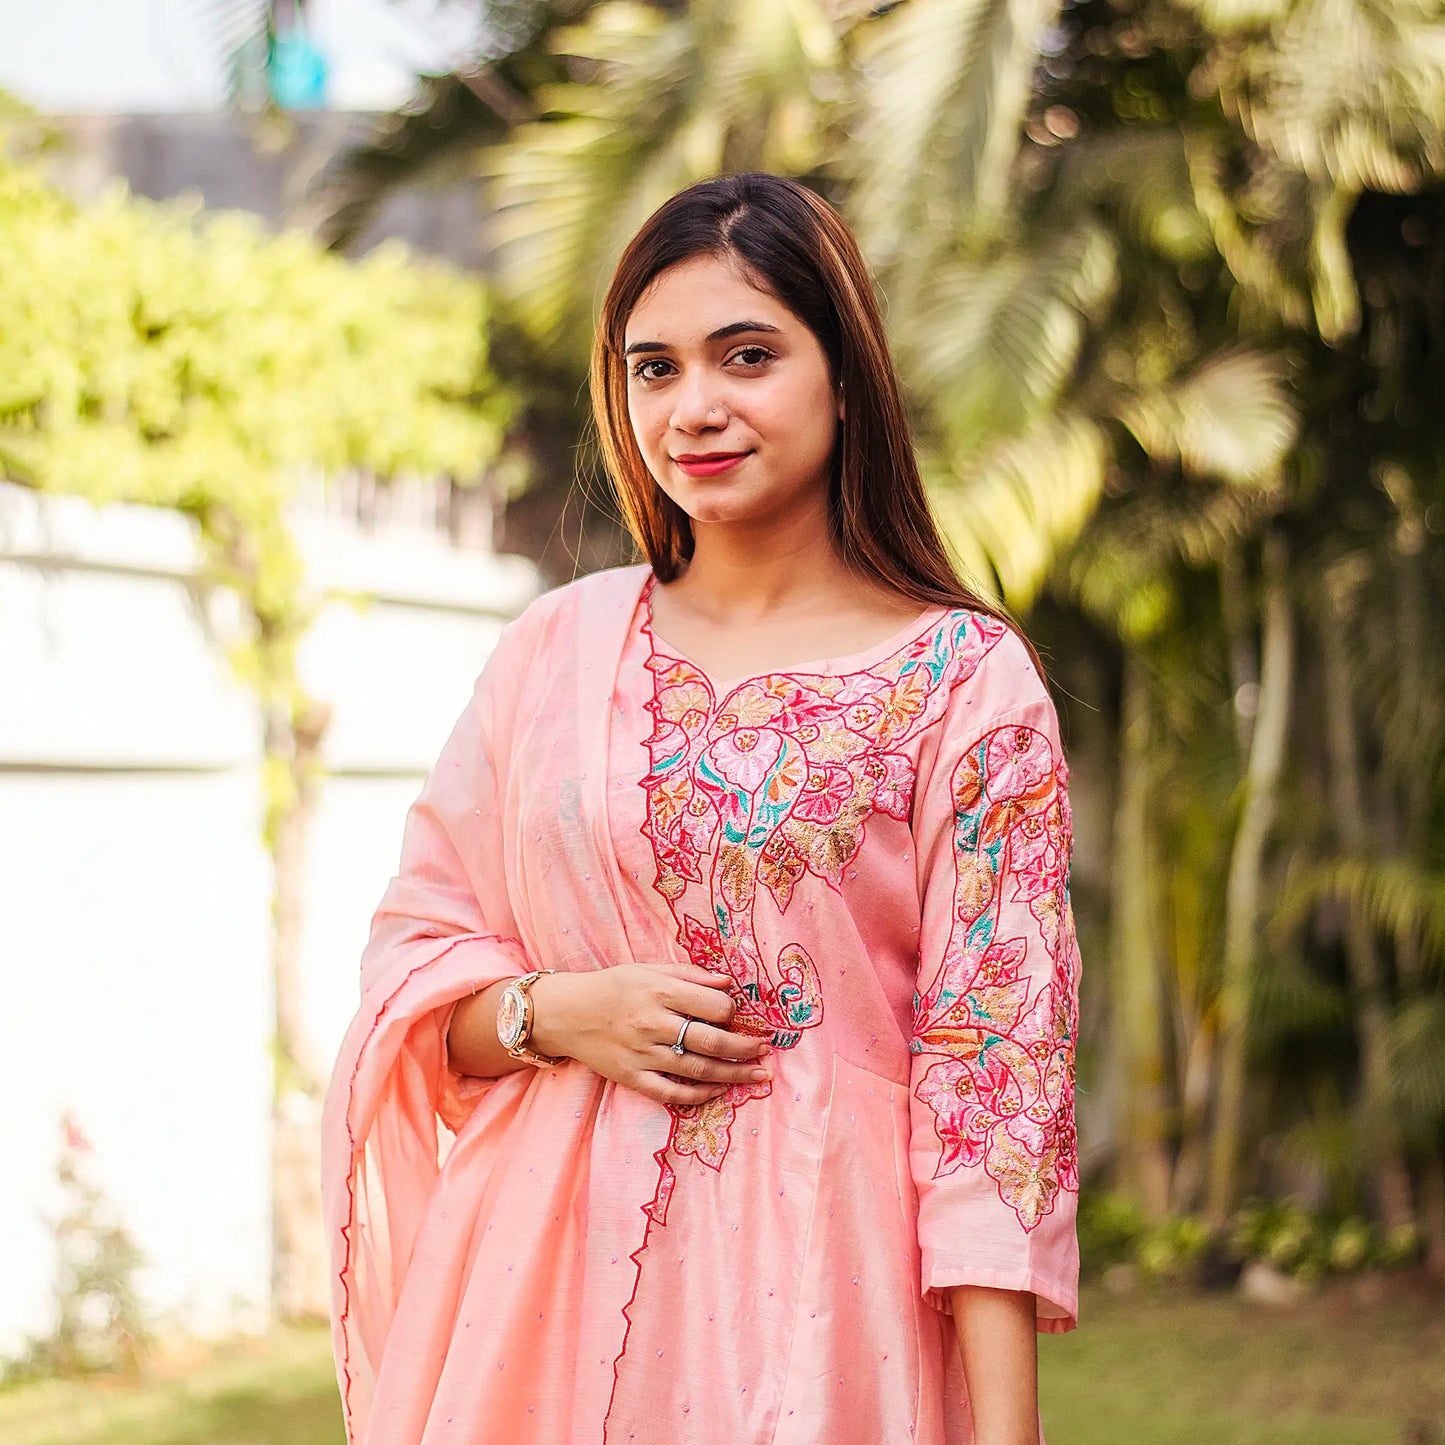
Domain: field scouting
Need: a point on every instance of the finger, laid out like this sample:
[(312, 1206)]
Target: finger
[(716, 1043), (673, 1091), (689, 1001), (692, 973), (700, 1068)]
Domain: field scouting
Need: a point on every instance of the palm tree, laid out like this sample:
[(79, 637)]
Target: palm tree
[(1156, 277)]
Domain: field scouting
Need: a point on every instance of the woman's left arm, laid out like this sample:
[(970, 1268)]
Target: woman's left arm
[(992, 1149), (999, 1345)]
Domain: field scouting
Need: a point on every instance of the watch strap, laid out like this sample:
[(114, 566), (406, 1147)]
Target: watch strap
[(520, 1050)]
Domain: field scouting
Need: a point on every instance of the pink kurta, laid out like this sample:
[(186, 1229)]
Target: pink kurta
[(876, 849)]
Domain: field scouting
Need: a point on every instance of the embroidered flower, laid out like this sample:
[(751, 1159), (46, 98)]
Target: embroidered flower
[(1002, 1093), (827, 789), (776, 782)]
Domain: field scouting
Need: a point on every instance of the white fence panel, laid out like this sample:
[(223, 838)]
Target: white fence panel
[(134, 888)]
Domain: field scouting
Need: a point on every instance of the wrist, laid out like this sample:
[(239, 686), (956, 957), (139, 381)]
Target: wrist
[(551, 1027)]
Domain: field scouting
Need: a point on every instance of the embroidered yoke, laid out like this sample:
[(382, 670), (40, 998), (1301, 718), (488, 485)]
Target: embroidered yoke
[(875, 849)]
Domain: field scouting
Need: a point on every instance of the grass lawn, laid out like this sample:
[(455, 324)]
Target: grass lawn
[(1357, 1366)]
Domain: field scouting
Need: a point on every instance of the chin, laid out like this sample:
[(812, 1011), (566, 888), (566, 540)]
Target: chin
[(718, 511)]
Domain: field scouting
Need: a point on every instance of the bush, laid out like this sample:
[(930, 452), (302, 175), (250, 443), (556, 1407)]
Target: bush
[(98, 1326), (1307, 1246)]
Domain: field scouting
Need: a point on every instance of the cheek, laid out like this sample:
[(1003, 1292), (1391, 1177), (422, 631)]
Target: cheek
[(642, 414), (805, 420)]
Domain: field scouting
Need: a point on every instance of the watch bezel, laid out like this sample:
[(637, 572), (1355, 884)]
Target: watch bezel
[(515, 1004)]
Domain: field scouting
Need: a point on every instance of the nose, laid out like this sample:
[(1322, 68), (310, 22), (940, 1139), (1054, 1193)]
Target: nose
[(696, 405)]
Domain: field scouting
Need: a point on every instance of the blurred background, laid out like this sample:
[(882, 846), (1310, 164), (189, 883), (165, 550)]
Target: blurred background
[(295, 303)]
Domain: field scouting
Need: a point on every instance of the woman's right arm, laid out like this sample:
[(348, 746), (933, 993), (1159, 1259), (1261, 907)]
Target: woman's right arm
[(621, 1022)]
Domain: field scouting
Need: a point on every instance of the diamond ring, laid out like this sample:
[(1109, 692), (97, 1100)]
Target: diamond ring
[(679, 1048)]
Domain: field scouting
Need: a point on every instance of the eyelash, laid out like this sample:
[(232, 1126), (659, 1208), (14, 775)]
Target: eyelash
[(639, 372)]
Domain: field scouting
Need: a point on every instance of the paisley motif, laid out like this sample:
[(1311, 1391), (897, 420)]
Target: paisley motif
[(1002, 1089), (751, 794)]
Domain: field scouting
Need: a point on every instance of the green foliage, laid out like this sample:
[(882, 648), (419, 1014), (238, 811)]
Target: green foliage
[(158, 355), (1302, 1243), (1110, 1228), (1162, 277), (98, 1326), (153, 354), (1308, 1246)]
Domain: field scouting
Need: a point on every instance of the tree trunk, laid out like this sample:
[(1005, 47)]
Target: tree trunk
[(1420, 704), (1243, 670), (1136, 1067), (1362, 953), (1241, 916), (300, 1281)]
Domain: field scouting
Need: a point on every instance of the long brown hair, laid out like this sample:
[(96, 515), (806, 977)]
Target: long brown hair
[(794, 245)]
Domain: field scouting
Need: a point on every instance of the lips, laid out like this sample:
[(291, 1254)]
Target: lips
[(708, 464)]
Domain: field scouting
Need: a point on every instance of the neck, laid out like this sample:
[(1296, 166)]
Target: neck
[(748, 570)]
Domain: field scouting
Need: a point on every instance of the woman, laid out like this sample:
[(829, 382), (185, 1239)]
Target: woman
[(713, 1078)]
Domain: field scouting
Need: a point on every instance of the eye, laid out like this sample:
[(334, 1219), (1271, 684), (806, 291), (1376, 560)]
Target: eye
[(641, 372), (753, 357)]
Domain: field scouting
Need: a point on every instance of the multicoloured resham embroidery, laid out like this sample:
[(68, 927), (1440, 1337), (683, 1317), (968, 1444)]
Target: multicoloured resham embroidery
[(754, 792), (1003, 1092)]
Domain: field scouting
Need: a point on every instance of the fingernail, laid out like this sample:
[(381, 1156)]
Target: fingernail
[(761, 1074), (765, 1050)]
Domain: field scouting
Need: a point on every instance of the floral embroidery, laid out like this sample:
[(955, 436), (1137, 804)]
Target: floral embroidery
[(1003, 1090), (749, 794)]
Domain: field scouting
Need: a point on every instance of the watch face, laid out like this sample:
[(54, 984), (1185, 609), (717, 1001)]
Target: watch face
[(511, 1017)]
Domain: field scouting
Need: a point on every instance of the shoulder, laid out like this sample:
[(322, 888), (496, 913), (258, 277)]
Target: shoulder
[(553, 614), (994, 674)]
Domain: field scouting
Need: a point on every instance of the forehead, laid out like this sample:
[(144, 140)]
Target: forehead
[(695, 297)]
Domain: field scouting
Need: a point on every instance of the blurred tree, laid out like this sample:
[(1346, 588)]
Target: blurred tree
[(1167, 284), (152, 355)]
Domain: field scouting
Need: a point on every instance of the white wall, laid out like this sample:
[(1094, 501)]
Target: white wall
[(134, 890)]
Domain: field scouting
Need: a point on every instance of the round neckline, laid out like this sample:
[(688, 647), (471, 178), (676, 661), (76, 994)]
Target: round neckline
[(841, 664)]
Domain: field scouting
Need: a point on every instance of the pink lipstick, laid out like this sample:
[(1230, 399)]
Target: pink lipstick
[(708, 464)]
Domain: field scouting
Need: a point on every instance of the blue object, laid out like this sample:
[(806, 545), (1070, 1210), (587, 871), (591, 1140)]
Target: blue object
[(296, 72)]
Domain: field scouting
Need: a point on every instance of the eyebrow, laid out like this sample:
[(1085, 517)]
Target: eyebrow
[(735, 328)]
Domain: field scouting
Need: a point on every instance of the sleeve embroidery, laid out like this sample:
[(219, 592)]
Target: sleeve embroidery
[(1002, 1087)]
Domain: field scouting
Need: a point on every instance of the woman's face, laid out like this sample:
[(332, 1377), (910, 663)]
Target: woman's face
[(730, 396)]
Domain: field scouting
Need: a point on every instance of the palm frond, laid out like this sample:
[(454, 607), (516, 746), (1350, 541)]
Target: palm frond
[(1123, 573), (1353, 91), (947, 85), (655, 101), (1011, 510), (1401, 898), (1230, 417), (1417, 1062), (235, 33), (995, 338), (450, 117), (1288, 999)]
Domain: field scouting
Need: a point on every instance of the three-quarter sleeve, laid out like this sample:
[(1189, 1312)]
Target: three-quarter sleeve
[(992, 1144)]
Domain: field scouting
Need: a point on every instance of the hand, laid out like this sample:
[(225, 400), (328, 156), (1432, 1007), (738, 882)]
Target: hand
[(623, 1021)]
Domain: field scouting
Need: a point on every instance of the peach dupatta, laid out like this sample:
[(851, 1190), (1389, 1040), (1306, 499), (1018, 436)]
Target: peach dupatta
[(459, 916)]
